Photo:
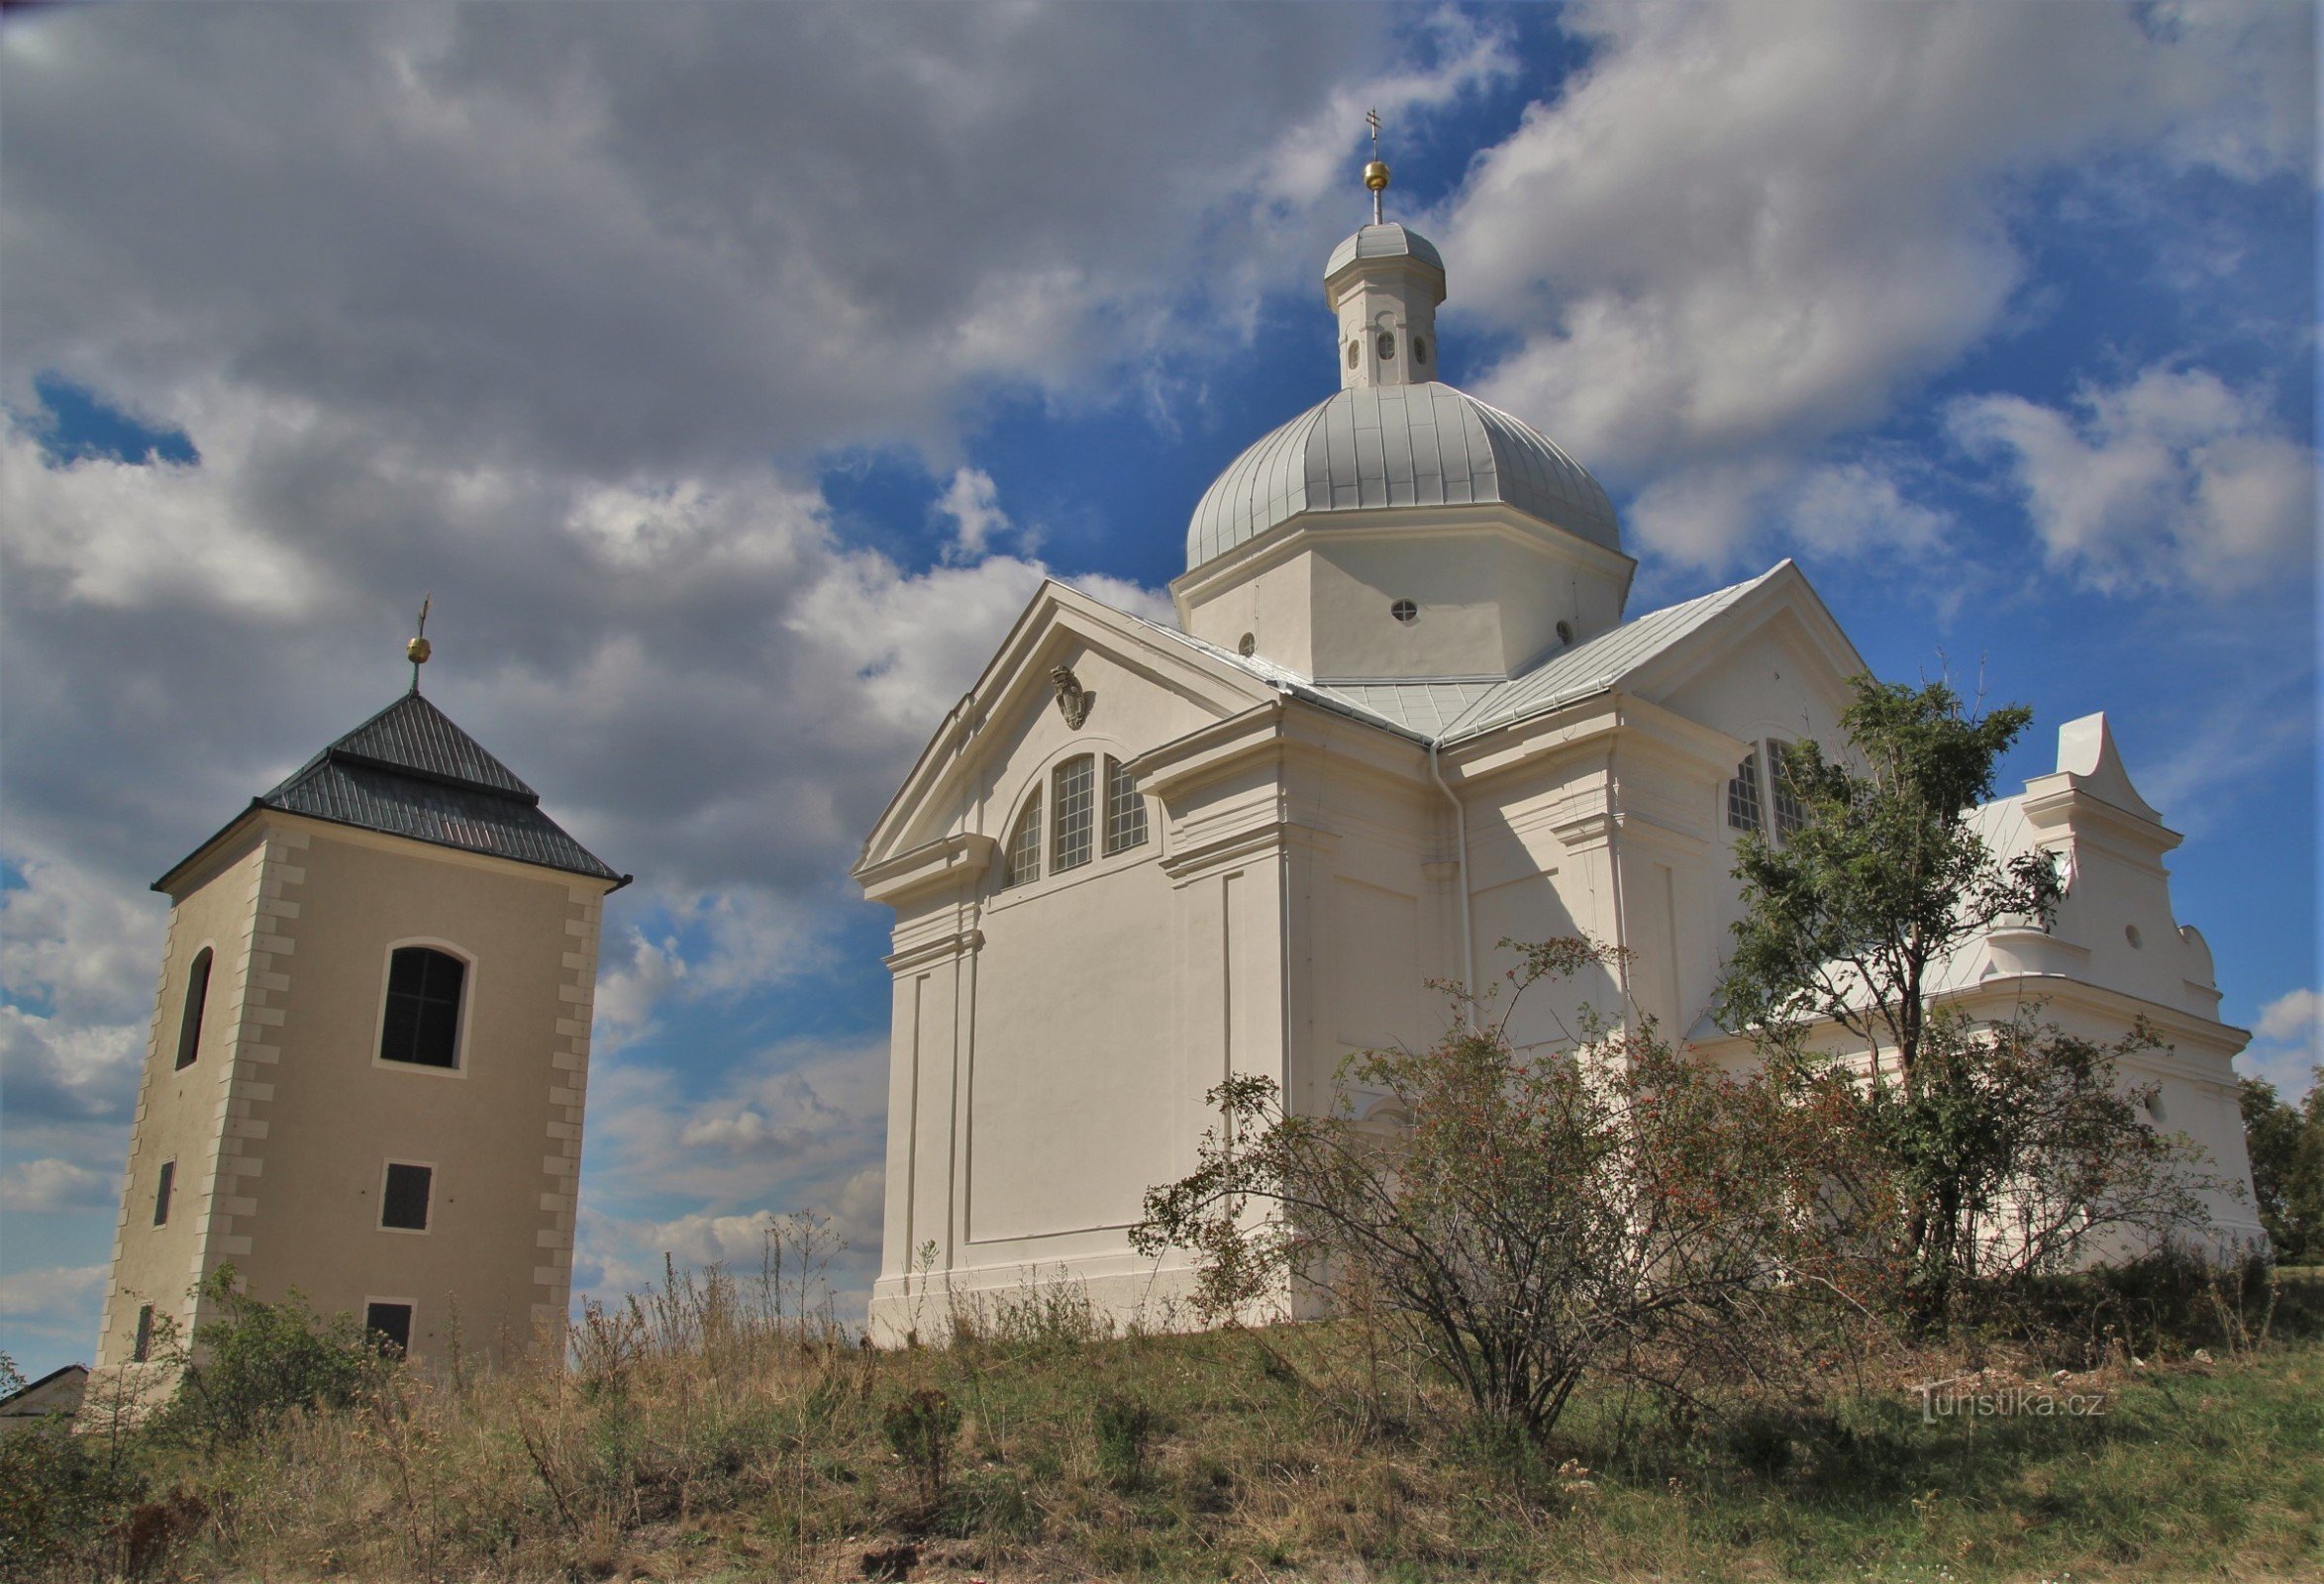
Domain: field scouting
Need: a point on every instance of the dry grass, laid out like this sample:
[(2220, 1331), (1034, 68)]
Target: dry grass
[(700, 1435)]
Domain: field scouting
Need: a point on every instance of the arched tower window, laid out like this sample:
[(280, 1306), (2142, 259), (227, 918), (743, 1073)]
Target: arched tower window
[(423, 1022), (1073, 785), (1023, 862), (1125, 810), (197, 997)]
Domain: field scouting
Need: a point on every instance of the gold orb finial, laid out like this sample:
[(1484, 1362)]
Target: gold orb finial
[(1376, 175), (419, 649)]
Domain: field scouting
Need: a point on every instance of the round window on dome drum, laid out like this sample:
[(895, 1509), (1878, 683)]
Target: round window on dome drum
[(1387, 345), (1420, 349), (1404, 611), (1355, 350)]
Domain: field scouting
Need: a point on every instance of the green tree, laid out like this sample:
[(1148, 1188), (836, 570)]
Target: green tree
[(1976, 1149), (1533, 1217), (2286, 1144)]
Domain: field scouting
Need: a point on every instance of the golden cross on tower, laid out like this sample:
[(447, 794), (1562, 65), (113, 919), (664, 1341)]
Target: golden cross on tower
[(419, 649), (1376, 175)]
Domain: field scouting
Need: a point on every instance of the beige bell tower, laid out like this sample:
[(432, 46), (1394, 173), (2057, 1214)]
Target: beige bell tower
[(369, 1055)]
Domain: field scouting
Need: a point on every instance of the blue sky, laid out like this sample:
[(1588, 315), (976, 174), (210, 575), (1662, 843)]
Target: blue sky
[(730, 375)]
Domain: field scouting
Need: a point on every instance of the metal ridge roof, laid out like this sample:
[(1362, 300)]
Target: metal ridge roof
[(410, 772), (1386, 446)]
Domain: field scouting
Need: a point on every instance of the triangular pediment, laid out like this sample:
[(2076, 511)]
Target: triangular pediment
[(1059, 627)]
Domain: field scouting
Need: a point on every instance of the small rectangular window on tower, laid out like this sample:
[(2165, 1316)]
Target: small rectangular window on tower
[(404, 1204), (389, 1326), (142, 1349), (162, 1189)]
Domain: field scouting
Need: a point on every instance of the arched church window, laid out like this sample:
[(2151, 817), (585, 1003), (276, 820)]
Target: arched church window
[(1790, 814), (1024, 856), (423, 1022), (1355, 350), (1743, 794), (1125, 810), (1074, 790), (1388, 346), (189, 1019)]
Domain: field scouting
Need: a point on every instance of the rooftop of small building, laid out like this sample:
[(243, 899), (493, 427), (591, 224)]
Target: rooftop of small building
[(410, 772)]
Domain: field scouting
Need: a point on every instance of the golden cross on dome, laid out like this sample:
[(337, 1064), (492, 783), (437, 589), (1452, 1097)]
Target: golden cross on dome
[(1376, 175)]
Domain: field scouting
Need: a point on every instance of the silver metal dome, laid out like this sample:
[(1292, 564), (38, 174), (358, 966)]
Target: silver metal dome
[(1389, 240), (1377, 446)]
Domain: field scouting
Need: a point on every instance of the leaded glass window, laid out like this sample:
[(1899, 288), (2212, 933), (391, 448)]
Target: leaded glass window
[(1743, 795), (1125, 810), (1024, 862), (1791, 815), (1074, 787)]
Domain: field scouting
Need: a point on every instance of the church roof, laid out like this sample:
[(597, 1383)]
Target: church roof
[(1379, 446), (1388, 241), (1448, 712), (410, 772)]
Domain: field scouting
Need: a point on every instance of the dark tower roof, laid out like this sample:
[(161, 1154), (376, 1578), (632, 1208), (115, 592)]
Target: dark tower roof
[(409, 772)]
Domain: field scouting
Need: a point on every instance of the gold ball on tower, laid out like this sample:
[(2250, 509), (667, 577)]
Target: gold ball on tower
[(418, 651), (1376, 175)]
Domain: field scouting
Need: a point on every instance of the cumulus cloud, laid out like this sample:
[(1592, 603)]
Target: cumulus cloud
[(2169, 479), (52, 1296), (50, 1183), (2288, 1043), (1740, 230), (972, 503)]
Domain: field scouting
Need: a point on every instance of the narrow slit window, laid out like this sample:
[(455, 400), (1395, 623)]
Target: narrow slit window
[(198, 998), (1743, 795), (1790, 813), (1125, 810), (1023, 859), (162, 1188), (389, 1326), (423, 1024), (142, 1348), (403, 1203), (1075, 791)]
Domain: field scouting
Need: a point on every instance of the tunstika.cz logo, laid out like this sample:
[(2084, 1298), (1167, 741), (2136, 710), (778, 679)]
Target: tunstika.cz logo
[(1973, 1397)]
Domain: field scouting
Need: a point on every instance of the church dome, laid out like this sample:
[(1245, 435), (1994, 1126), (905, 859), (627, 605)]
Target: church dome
[(1410, 444), (1385, 240)]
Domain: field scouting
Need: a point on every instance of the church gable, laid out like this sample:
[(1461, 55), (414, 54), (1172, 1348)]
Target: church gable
[(1072, 676)]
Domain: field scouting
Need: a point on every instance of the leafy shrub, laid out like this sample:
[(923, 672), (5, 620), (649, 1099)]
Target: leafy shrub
[(920, 1428), (1126, 1427), (258, 1361)]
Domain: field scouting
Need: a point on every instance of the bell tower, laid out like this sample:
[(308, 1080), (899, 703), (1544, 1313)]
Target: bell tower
[(370, 1055)]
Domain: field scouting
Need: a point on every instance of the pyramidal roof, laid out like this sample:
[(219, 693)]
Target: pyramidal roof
[(410, 772)]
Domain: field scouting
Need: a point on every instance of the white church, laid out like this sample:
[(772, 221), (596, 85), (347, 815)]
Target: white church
[(1406, 714)]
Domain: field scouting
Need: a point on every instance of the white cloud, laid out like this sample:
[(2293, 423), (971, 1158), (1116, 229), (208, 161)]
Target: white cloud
[(1742, 229), (2169, 479), (2297, 1016), (2288, 1043), (54, 1294), (972, 502), (54, 1184)]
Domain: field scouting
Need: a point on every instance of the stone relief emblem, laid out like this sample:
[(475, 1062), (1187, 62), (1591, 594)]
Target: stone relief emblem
[(1073, 700)]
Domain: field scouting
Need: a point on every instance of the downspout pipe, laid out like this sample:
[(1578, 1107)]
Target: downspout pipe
[(1461, 856)]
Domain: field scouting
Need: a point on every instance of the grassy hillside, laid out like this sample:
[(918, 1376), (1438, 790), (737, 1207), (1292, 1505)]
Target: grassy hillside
[(697, 1438)]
